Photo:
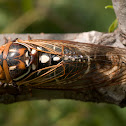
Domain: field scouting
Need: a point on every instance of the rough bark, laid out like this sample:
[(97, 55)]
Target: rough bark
[(110, 94)]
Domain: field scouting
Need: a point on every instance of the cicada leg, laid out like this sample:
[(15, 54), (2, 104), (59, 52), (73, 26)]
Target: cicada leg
[(8, 40), (2, 84), (29, 37), (14, 40), (5, 40)]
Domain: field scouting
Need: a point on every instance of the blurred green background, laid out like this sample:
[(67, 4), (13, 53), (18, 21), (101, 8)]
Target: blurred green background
[(57, 16)]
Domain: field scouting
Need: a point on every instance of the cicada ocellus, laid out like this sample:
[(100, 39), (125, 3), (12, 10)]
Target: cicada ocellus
[(60, 64)]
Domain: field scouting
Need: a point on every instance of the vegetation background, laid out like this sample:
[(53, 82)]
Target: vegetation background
[(57, 16)]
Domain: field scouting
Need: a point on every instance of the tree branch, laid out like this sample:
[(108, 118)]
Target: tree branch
[(10, 94), (120, 10)]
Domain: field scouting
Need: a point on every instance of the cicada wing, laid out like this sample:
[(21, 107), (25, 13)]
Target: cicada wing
[(44, 46), (103, 65), (44, 75)]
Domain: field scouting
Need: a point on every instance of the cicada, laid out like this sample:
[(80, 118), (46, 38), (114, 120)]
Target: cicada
[(60, 64)]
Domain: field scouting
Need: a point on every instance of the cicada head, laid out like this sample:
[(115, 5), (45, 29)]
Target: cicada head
[(14, 61)]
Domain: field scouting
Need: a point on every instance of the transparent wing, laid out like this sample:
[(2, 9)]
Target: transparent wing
[(101, 66)]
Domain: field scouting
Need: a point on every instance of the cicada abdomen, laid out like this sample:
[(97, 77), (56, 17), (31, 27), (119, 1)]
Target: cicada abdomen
[(59, 64)]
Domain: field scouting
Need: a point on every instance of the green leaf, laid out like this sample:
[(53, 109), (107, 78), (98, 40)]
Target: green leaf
[(109, 6), (113, 26)]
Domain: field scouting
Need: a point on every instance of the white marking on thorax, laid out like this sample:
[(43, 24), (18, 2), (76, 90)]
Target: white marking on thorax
[(33, 66), (81, 56), (44, 58), (12, 67), (73, 59), (12, 54), (26, 54), (39, 48), (33, 51), (54, 47), (89, 64), (56, 58), (27, 62), (66, 58), (12, 50)]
